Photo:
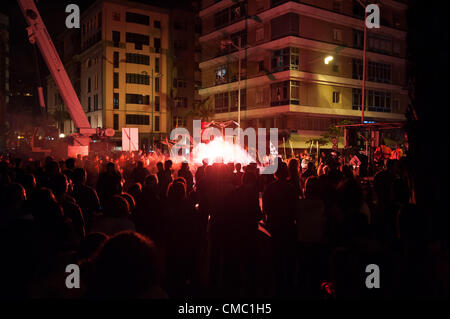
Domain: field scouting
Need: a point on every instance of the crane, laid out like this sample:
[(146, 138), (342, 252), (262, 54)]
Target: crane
[(38, 34)]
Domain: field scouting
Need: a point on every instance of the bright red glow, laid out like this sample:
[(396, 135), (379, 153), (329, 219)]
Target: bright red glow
[(221, 151)]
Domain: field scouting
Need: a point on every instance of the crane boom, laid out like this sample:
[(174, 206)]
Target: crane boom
[(37, 33)]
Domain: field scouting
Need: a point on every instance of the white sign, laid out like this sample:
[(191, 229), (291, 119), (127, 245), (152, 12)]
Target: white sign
[(130, 139)]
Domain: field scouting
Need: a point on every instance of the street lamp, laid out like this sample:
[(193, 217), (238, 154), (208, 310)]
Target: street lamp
[(364, 63), (328, 59)]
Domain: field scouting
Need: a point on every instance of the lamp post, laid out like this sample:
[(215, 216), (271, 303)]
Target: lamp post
[(363, 99)]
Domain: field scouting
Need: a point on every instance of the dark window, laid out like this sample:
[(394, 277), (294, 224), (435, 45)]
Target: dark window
[(356, 99), (137, 18), (379, 72), (116, 59), (238, 11), (358, 39), (157, 24), (287, 24), (138, 58), (138, 78), (157, 65), (89, 85), (157, 44), (181, 101), (221, 102), (116, 80), (116, 101), (283, 93), (89, 104), (95, 102), (116, 38), (358, 9), (285, 59), (261, 66), (116, 121), (137, 119), (221, 18), (238, 36), (357, 68), (177, 83), (156, 84), (379, 101), (99, 20), (336, 97), (337, 5), (234, 100), (379, 44), (137, 39), (178, 121), (157, 123), (157, 103), (137, 99)]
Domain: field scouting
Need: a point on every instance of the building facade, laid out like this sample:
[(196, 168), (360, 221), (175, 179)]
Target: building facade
[(124, 80), (184, 55), (135, 68), (4, 65), (285, 82)]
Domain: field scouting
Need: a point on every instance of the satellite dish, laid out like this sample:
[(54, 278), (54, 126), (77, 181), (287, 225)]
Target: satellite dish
[(110, 132)]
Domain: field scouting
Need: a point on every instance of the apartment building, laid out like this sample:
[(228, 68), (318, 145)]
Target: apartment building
[(68, 46), (285, 82), (136, 68), (123, 57), (183, 65)]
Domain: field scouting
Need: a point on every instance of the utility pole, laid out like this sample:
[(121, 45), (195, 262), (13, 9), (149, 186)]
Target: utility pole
[(364, 69), (239, 90), (239, 48), (153, 101), (363, 95)]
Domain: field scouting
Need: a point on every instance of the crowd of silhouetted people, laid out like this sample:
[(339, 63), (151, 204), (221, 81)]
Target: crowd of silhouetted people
[(163, 230)]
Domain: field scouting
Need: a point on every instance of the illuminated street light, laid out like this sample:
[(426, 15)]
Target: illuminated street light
[(328, 59), (62, 135)]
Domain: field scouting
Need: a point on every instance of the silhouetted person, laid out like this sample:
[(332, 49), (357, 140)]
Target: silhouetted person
[(187, 175), (139, 173), (59, 185), (85, 196), (148, 214), (115, 217), (280, 202), (109, 183), (126, 266)]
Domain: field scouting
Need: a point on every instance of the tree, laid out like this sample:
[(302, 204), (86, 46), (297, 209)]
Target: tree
[(203, 110), (332, 132), (335, 132), (60, 115)]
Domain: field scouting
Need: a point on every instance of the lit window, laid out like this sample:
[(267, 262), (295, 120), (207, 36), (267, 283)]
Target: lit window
[(221, 75)]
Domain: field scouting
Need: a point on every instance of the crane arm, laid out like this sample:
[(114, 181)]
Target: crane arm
[(37, 33)]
